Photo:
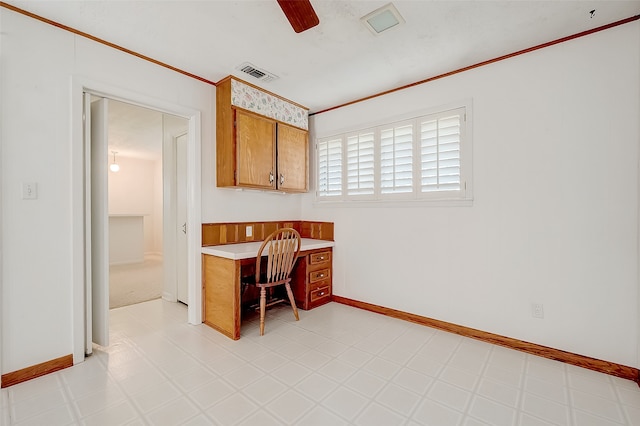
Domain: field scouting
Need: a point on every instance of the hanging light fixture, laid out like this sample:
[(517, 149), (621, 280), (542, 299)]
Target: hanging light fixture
[(114, 167)]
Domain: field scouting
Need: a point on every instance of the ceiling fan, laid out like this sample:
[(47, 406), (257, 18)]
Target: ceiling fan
[(300, 14)]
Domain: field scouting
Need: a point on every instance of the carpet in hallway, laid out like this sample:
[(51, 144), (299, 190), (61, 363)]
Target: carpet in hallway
[(135, 282)]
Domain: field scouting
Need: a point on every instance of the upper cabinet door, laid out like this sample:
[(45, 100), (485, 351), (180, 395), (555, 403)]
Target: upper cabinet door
[(293, 158), (247, 145), (256, 150)]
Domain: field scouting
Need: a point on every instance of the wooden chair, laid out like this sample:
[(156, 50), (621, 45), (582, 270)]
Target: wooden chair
[(280, 251)]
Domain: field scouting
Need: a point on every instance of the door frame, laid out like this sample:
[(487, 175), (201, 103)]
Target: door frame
[(80, 85)]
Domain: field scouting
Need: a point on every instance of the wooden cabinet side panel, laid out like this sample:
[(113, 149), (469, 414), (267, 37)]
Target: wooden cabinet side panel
[(293, 158), (225, 144), (255, 144), (222, 294)]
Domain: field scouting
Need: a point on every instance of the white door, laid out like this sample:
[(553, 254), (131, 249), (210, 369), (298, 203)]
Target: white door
[(97, 224), (181, 215)]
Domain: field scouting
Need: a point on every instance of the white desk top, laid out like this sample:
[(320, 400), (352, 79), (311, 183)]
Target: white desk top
[(249, 250)]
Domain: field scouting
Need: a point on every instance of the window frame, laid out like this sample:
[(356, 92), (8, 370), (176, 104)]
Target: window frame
[(463, 196)]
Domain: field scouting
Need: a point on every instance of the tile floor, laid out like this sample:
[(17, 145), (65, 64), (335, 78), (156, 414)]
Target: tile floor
[(337, 366)]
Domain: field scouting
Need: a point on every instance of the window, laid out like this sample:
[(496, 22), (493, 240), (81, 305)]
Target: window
[(422, 158), (440, 152), (396, 159), (330, 168), (360, 164)]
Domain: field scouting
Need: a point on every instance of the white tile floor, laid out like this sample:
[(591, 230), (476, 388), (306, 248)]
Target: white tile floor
[(337, 366)]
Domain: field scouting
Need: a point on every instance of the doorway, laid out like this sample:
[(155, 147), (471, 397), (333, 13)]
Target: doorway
[(85, 213), (139, 139)]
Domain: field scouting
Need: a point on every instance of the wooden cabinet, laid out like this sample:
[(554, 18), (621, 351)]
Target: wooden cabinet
[(221, 294), (293, 158), (312, 279), (254, 150)]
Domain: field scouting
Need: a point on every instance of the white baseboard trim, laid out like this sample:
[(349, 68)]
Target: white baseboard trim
[(169, 297)]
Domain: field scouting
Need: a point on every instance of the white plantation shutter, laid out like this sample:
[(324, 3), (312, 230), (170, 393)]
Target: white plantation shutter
[(360, 164), (396, 159), (440, 140), (330, 167), (422, 158)]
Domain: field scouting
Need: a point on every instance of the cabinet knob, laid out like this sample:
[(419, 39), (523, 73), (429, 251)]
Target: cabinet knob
[(321, 275), (321, 293), (281, 179)]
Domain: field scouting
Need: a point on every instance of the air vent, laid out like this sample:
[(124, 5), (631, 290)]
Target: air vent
[(256, 72)]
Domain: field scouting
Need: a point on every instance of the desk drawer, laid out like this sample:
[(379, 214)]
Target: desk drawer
[(322, 257), (321, 274), (319, 284), (320, 293)]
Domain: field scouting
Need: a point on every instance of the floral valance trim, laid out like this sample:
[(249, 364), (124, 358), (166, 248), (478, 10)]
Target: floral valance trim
[(254, 100)]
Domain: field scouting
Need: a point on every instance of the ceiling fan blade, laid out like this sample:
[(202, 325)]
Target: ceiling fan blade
[(300, 14)]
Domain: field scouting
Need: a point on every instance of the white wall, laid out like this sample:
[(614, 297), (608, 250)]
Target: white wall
[(126, 239), (133, 191), (39, 63), (240, 205), (555, 213)]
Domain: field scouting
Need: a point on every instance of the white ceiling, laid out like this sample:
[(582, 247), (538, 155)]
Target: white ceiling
[(339, 60), (138, 132)]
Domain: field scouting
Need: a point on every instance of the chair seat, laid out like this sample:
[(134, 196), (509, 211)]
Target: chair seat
[(271, 298), (251, 280)]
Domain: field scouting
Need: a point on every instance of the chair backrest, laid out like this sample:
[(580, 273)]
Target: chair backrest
[(281, 249)]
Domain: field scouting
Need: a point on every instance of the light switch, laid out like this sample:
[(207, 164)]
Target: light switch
[(29, 190), (249, 231)]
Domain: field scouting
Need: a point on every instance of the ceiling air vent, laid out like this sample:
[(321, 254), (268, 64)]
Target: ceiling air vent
[(256, 72)]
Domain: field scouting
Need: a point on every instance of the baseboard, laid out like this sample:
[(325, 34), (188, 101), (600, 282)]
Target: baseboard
[(169, 297), (38, 370), (598, 365)]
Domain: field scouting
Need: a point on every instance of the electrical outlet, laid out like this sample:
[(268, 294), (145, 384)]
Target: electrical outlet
[(249, 231), (537, 310)]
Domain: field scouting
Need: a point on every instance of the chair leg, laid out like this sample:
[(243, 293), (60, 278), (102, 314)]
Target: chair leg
[(263, 303), (292, 300)]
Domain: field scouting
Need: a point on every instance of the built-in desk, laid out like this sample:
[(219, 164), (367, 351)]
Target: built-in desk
[(222, 267)]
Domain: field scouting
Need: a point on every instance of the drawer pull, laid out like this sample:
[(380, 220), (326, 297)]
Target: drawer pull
[(321, 293), (321, 275)]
